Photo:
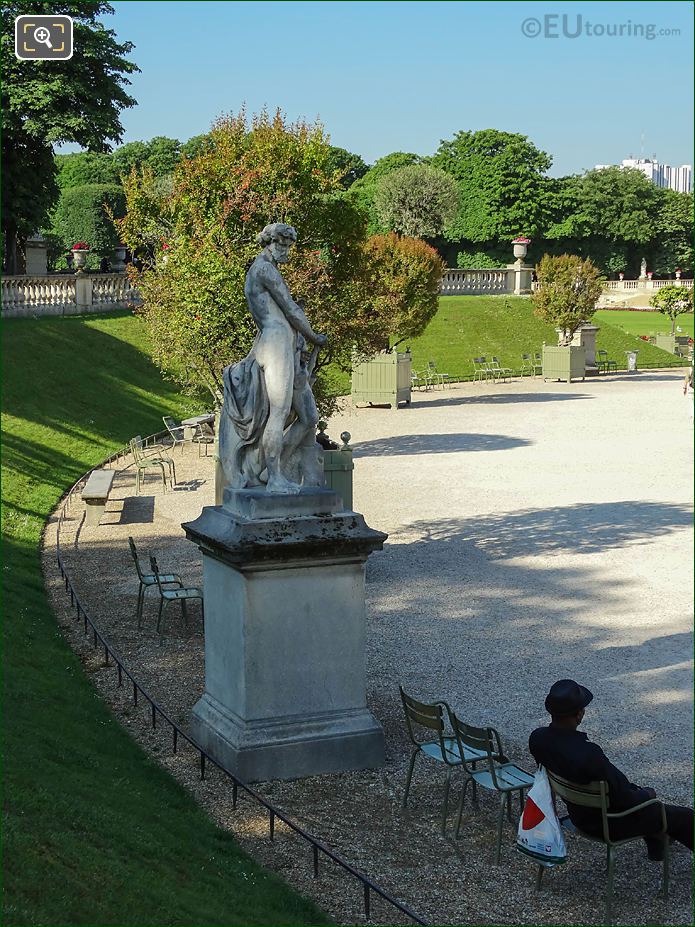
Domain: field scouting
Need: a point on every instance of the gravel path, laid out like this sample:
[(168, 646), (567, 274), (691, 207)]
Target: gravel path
[(535, 531)]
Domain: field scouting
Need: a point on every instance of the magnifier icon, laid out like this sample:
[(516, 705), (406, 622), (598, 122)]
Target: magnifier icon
[(43, 35)]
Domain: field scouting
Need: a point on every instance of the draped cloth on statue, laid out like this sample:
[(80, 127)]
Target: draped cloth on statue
[(244, 416)]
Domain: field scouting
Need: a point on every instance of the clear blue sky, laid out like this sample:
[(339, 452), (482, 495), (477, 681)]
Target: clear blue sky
[(401, 76)]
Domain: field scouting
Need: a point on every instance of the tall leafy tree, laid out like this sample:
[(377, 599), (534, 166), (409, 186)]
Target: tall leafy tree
[(75, 170), (349, 166), (160, 155), (417, 200), (48, 103), (363, 191), (568, 289), (503, 190), (674, 232)]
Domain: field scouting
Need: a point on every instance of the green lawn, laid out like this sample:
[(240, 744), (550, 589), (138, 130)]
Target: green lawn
[(642, 323), (94, 831)]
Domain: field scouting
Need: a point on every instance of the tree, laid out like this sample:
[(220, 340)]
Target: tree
[(503, 190), (85, 214), (407, 275), (44, 105), (350, 166), (417, 200), (674, 232), (75, 170), (160, 155), (568, 289), (362, 192), (250, 174), (672, 301)]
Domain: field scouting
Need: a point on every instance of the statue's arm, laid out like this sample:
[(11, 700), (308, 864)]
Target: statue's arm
[(278, 289)]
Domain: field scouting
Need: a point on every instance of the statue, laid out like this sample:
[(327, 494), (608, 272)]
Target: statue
[(269, 417), (643, 268)]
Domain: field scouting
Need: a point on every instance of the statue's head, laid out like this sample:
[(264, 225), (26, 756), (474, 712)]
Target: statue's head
[(278, 238)]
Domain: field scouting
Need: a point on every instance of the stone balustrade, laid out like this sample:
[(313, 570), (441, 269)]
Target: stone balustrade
[(460, 281), (65, 294), (643, 284)]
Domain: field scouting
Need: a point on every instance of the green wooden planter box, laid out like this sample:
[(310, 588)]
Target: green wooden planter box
[(666, 342), (384, 380), (564, 363), (338, 467)]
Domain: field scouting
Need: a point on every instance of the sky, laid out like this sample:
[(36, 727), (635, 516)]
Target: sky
[(402, 76)]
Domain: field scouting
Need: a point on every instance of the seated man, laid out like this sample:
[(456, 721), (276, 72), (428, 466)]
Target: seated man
[(567, 752)]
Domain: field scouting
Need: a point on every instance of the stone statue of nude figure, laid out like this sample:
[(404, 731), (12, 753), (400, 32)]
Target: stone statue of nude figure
[(269, 418)]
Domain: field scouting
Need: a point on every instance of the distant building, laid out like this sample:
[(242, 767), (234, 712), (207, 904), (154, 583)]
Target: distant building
[(663, 175)]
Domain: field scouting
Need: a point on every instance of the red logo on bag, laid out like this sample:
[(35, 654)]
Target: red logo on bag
[(532, 815)]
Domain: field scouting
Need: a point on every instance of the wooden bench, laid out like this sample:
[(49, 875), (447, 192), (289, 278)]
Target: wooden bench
[(95, 494)]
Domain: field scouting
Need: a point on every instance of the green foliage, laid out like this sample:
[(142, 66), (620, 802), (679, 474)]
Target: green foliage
[(350, 166), (82, 214), (43, 105), (196, 145), (480, 260), (674, 232), (417, 200), (94, 831), (75, 170), (407, 275), (569, 288), (160, 155), (617, 203), (249, 175), (672, 301), (363, 191), (502, 185), (639, 323)]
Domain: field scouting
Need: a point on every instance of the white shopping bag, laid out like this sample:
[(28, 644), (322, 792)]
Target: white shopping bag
[(540, 833)]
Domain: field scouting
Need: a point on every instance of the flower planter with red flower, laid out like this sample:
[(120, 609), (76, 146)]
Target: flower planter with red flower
[(650, 274), (520, 243), (621, 276), (678, 273), (79, 254)]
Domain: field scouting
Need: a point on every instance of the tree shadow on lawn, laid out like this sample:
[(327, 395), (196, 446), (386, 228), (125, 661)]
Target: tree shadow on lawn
[(457, 619), (406, 445)]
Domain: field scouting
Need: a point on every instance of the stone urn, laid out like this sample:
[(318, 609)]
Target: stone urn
[(79, 256), (520, 247), (118, 264), (678, 275), (621, 276)]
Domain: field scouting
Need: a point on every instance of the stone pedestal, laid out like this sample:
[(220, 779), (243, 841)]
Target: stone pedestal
[(285, 635), (522, 277), (585, 337), (83, 291)]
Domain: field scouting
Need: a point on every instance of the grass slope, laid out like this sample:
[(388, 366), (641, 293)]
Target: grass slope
[(94, 831), (642, 323), (468, 326)]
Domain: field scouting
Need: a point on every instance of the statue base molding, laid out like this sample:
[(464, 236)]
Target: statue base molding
[(285, 679)]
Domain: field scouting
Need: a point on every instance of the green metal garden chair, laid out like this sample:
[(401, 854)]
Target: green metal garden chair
[(538, 363), (176, 432), (527, 365), (182, 595), (498, 372), (481, 371), (604, 364), (146, 461), (148, 580), (203, 437), (443, 748), (595, 795), (492, 770), (436, 377)]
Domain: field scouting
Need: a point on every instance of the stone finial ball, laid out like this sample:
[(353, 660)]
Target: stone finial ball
[(276, 231), (345, 437)]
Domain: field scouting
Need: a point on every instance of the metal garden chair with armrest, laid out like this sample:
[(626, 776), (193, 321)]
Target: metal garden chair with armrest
[(435, 375), (481, 371), (492, 770), (595, 795), (175, 431), (500, 373), (538, 363), (144, 462), (158, 454), (182, 595), (527, 365), (604, 364), (203, 437), (443, 748), (149, 580)]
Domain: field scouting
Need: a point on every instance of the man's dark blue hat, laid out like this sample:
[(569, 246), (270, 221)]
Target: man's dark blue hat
[(566, 697)]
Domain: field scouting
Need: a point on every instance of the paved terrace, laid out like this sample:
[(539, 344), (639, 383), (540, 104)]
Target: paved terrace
[(536, 531)]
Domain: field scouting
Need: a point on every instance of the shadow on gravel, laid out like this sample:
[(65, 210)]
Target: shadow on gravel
[(137, 510), (582, 528), (405, 445), (502, 398)]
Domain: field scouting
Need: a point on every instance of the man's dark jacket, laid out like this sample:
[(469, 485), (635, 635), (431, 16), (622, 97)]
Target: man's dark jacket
[(570, 754)]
